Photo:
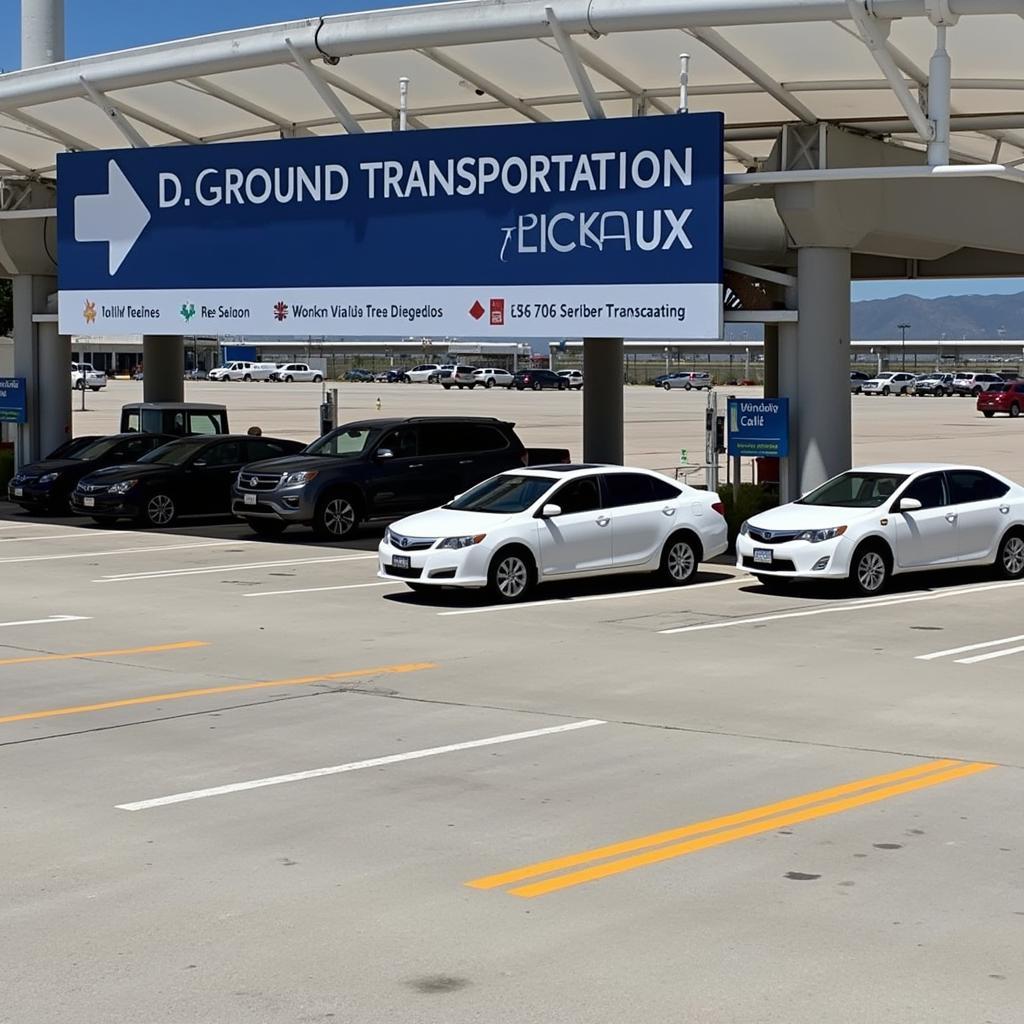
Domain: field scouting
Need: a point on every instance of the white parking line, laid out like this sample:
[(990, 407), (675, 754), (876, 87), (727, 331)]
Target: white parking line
[(353, 766), (52, 618), (319, 590), (593, 597), (19, 526), (75, 534), (160, 574), (119, 551), (989, 656), (969, 647), (855, 605)]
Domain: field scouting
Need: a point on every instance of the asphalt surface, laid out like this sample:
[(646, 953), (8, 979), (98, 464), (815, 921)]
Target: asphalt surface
[(243, 781)]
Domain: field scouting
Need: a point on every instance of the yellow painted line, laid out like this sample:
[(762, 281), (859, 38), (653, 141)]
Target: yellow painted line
[(731, 835), (156, 649), (157, 698), (659, 838)]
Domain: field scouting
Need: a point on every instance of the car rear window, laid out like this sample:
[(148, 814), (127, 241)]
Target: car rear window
[(970, 485), (636, 489)]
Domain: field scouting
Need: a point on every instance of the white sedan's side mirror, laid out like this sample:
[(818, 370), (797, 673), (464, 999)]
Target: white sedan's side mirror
[(909, 505), (550, 511)]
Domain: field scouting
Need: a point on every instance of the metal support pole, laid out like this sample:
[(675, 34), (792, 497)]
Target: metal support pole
[(939, 78), (403, 104), (684, 83), (42, 32)]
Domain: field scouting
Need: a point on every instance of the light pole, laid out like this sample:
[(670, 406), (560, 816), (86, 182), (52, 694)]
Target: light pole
[(903, 328)]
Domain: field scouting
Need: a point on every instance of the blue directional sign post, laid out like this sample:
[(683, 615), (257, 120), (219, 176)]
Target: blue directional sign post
[(13, 407), (759, 427), (584, 228)]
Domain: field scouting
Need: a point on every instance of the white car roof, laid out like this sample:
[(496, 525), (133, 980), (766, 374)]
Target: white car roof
[(916, 467)]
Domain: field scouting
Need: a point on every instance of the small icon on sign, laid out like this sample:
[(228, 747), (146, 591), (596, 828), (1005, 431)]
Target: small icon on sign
[(280, 311), (497, 312), (476, 310), (187, 311), (89, 312)]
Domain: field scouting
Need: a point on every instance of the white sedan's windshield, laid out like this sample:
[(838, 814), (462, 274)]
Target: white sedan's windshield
[(855, 490), (504, 494)]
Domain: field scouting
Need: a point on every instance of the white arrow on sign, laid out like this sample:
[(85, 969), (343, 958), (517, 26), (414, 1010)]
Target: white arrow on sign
[(117, 217)]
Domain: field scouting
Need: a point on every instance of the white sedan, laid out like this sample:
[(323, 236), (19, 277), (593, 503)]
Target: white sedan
[(888, 384), (868, 524), (529, 526)]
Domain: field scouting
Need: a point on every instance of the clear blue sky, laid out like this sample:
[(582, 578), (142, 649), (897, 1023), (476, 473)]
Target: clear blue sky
[(99, 26)]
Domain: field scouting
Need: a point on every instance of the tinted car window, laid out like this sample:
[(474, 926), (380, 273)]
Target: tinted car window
[(578, 496), (476, 437), (347, 443), (968, 485), (442, 438), (402, 442), (206, 423), (264, 449), (131, 422), (627, 489), (929, 490), (225, 454), (135, 447)]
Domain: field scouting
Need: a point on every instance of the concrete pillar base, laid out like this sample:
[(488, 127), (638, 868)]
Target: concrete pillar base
[(53, 353), (603, 369), (163, 368)]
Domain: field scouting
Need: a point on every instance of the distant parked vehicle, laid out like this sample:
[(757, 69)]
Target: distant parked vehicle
[(242, 370), (493, 376), (421, 374), (1009, 374), (857, 379), (288, 372), (179, 419), (688, 381), (975, 383), (539, 380), (1008, 398), (392, 376), (459, 377), (936, 384), (84, 375), (574, 377), (359, 376), (443, 370), (888, 384)]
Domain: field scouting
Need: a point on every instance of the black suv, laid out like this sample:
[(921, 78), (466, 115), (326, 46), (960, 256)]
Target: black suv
[(538, 380), (375, 469)]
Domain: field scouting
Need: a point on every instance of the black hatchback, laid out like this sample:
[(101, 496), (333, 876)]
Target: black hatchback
[(190, 476), (47, 486), (538, 380)]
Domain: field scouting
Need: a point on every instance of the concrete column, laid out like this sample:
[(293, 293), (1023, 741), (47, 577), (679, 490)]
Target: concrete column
[(771, 360), (163, 368), (53, 364), (42, 32), (604, 369), (789, 387), (823, 444)]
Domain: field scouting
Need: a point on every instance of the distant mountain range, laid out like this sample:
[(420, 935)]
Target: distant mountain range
[(974, 317)]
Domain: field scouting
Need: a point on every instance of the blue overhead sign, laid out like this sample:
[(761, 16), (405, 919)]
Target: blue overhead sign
[(12, 400), (759, 427), (581, 228)]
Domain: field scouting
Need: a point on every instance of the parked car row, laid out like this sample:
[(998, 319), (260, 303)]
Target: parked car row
[(936, 384)]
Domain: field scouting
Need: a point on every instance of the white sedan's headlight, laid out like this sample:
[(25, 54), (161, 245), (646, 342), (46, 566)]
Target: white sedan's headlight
[(817, 536), (455, 543), (744, 527)]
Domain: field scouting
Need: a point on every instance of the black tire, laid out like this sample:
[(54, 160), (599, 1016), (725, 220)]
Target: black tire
[(288, 379), (680, 559), (490, 383), (448, 387), (537, 385), (976, 392), (1014, 411), (870, 569), (159, 510), (93, 389), (247, 378), (987, 413), (511, 576), (318, 379), (858, 391), (563, 387), (79, 385), (886, 391), (337, 516), (267, 527), (687, 386), (667, 386), (1010, 557)]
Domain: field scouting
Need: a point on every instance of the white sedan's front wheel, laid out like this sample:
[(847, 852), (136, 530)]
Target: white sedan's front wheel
[(870, 570), (511, 575), (1010, 560)]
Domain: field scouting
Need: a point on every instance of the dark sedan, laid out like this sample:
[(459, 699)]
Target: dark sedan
[(190, 476), (538, 380), (47, 486), (359, 376)]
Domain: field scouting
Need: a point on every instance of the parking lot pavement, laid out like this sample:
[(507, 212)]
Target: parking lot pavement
[(242, 781)]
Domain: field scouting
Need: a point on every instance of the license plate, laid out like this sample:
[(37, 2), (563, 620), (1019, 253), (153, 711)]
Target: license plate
[(89, 502), (250, 499), (18, 492), (762, 556), (401, 561)]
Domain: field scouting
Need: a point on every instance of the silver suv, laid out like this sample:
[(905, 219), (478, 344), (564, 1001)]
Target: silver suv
[(688, 381)]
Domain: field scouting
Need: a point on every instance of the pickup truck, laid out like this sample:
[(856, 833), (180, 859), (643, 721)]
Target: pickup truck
[(379, 469)]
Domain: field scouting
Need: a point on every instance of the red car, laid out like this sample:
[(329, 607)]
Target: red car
[(1008, 398)]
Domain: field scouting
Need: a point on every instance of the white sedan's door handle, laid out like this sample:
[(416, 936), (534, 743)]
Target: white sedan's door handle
[(951, 517), (668, 510), (1005, 509), (603, 520)]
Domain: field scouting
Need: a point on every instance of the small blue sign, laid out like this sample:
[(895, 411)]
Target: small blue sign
[(581, 228), (759, 427), (12, 400)]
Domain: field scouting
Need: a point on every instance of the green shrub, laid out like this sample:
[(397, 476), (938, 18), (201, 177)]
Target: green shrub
[(753, 499)]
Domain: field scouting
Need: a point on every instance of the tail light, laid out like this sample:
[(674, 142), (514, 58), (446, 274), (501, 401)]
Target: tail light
[(719, 508)]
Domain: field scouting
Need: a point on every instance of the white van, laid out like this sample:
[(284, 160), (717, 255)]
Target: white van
[(240, 370)]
